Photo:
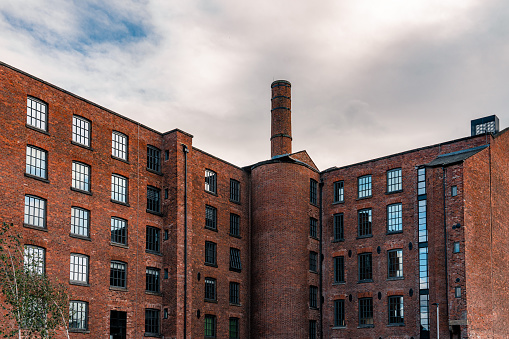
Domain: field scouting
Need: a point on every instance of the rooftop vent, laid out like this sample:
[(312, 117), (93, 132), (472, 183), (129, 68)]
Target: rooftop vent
[(484, 125)]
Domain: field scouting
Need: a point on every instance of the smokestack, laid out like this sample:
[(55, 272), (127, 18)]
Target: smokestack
[(281, 124)]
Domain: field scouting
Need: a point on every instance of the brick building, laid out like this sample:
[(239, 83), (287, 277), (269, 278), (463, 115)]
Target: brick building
[(158, 238)]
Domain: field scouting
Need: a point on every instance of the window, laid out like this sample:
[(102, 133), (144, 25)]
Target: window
[(34, 259), (338, 227), (339, 313), (312, 329), (81, 130), (313, 297), (234, 328), (166, 235), (118, 324), (394, 182), (210, 289), (78, 315), (396, 310), (313, 228), (80, 221), (421, 181), (339, 191), (234, 293), (457, 292), (80, 176), (365, 269), (210, 326), (153, 239), (153, 158), (167, 155), (35, 211), (364, 186), (119, 231), (395, 263), (210, 181), (234, 190), (119, 188), (313, 185), (37, 113), (210, 217), (313, 262), (456, 247), (364, 220), (394, 218), (153, 199), (339, 270), (166, 193), (78, 268), (118, 274), (36, 163), (235, 260), (165, 273), (151, 322), (454, 190), (210, 253), (366, 312), (234, 225), (119, 145), (152, 279)]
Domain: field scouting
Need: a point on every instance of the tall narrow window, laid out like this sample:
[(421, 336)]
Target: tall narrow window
[(36, 163), (80, 176), (119, 231), (119, 190), (210, 217), (152, 279), (119, 145), (234, 190), (364, 220), (234, 293), (151, 322), (313, 228), (153, 158), (210, 181), (366, 312), (34, 259), (312, 329), (457, 292), (313, 262), (78, 269), (394, 180), (37, 113), (339, 313), (235, 264), (35, 211), (456, 247), (234, 225), (365, 267), (395, 263), (210, 289), (364, 186), (153, 239), (394, 218), (396, 310), (210, 326), (210, 253), (81, 130), (339, 193), (313, 297), (80, 222), (234, 328), (78, 315), (153, 199), (339, 270), (313, 188), (118, 274), (338, 227), (454, 191)]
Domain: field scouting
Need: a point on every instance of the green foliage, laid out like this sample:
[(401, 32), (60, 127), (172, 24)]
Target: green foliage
[(34, 305)]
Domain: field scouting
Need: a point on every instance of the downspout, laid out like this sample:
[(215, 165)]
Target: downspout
[(321, 260), (186, 150), (445, 247)]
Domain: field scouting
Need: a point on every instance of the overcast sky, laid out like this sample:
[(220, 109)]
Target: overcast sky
[(369, 77)]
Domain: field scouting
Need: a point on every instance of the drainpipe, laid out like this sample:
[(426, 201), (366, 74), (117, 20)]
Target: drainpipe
[(321, 260), (186, 150), (446, 252)]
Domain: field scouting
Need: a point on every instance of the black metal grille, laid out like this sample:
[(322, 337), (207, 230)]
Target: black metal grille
[(151, 321), (396, 310), (313, 191), (152, 279), (234, 190), (313, 228), (394, 180), (210, 181), (153, 239), (313, 259), (81, 130), (234, 293), (153, 158), (339, 313), (366, 312), (364, 220), (37, 113), (210, 289), (339, 193), (339, 269), (235, 263), (338, 227), (118, 274), (210, 252), (119, 231), (234, 225), (153, 199), (36, 163), (211, 217), (365, 268)]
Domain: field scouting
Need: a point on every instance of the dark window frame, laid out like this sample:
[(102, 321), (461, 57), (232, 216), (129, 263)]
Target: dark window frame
[(235, 260), (395, 305), (366, 312), (38, 167), (234, 295), (234, 328), (235, 190), (119, 237), (119, 145), (41, 216), (395, 218), (339, 191), (153, 239), (152, 322), (76, 272), (312, 329), (210, 253), (313, 228), (118, 274), (395, 264), (117, 185), (210, 323), (365, 267), (338, 227), (153, 280), (79, 323), (364, 222), (364, 186), (234, 225), (211, 217), (153, 159), (210, 181), (153, 199), (210, 289), (339, 313), (82, 228), (82, 133), (37, 114), (339, 269), (313, 297), (394, 180), (313, 191), (313, 261)]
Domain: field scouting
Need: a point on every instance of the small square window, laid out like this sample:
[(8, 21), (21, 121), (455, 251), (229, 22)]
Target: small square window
[(119, 190), (37, 113), (234, 190), (313, 191), (80, 176), (313, 297), (210, 217), (81, 130), (119, 144), (457, 292), (234, 293), (152, 279), (210, 181), (364, 186), (235, 264), (313, 262), (210, 326), (210, 289), (339, 313), (313, 228), (153, 239), (394, 218), (364, 222), (78, 315), (395, 263), (339, 192), (365, 267), (454, 191), (210, 253), (119, 231), (79, 268), (36, 162), (234, 225), (35, 211), (80, 222), (153, 199), (151, 322), (153, 158), (456, 247), (339, 270), (394, 180), (118, 274)]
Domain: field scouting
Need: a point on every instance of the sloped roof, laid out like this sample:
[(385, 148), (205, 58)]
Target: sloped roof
[(454, 157)]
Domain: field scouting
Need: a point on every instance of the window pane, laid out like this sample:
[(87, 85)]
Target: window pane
[(234, 225), (234, 190), (153, 239), (81, 130), (339, 195), (80, 220), (36, 164), (364, 186), (235, 264), (35, 211), (118, 274), (119, 145), (210, 181), (395, 261), (364, 220), (119, 231), (153, 158), (151, 321), (118, 188), (394, 218), (78, 315), (210, 217), (394, 180), (36, 113), (78, 268), (152, 279), (34, 259), (153, 199)]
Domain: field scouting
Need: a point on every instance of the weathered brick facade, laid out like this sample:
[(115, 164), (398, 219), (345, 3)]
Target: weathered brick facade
[(264, 237)]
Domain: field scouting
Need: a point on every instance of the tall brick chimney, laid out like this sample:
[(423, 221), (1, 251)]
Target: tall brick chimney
[(281, 125)]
